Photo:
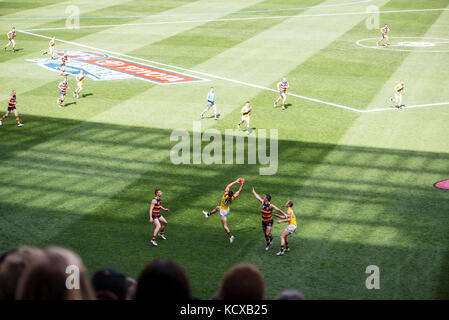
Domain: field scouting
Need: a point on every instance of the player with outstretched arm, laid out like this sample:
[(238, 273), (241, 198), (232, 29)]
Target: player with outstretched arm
[(228, 197), (267, 217), (291, 227)]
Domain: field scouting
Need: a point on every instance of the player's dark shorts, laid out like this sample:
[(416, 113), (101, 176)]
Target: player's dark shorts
[(11, 108), (156, 217), (267, 223), (62, 93)]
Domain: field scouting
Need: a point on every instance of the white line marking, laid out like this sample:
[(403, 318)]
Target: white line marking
[(239, 19), (360, 44), (234, 81)]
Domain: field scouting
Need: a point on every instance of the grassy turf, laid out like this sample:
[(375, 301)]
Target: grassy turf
[(82, 176)]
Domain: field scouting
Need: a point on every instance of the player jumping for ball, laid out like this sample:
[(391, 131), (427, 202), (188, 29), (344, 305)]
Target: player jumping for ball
[(12, 107), (267, 217), (246, 114), (63, 86), (80, 81), (157, 218), (291, 219), (399, 89), (210, 104), (228, 197), (11, 35), (51, 47), (282, 88), (384, 36)]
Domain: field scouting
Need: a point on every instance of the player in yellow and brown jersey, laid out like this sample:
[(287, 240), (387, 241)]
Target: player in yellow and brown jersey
[(399, 89), (51, 47), (228, 197), (12, 107), (246, 114), (291, 227), (157, 218), (267, 217)]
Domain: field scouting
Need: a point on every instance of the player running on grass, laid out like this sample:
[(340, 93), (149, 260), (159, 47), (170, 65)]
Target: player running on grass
[(64, 60), (246, 114), (51, 47), (384, 36), (282, 88), (63, 86), (291, 219), (228, 197), (79, 84), (267, 217), (11, 35), (399, 89), (210, 103), (12, 107), (157, 218)]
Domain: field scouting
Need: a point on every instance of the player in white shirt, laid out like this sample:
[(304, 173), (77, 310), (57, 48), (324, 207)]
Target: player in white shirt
[(51, 47), (246, 113), (210, 103)]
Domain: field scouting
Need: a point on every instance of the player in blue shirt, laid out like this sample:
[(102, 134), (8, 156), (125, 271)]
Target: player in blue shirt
[(210, 103)]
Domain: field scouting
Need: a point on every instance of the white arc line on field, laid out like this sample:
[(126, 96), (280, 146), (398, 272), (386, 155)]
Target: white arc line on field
[(236, 81), (241, 19)]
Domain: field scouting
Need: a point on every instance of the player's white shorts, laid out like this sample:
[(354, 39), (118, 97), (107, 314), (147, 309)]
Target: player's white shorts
[(245, 119), (398, 96), (283, 95), (51, 50), (224, 213), (80, 85), (291, 228)]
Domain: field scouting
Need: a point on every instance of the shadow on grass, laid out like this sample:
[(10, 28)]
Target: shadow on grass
[(72, 162)]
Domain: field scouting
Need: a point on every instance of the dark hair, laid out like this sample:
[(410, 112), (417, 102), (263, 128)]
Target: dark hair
[(247, 102), (165, 279), (110, 284), (156, 191), (290, 203), (230, 193), (242, 282), (268, 197)]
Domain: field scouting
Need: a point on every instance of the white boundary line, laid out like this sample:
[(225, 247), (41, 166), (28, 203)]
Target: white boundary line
[(241, 19), (236, 81), (359, 43)]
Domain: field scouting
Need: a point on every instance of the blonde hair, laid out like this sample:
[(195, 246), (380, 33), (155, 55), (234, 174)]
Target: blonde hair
[(46, 280), (13, 267)]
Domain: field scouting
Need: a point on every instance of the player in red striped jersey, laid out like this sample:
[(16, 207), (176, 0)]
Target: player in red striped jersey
[(157, 218), (63, 86), (64, 60), (282, 88), (267, 216), (11, 35), (384, 36), (12, 107)]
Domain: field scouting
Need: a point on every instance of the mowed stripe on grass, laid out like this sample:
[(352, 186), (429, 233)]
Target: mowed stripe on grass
[(325, 263)]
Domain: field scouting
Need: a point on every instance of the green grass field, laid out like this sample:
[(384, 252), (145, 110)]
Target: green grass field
[(362, 180)]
